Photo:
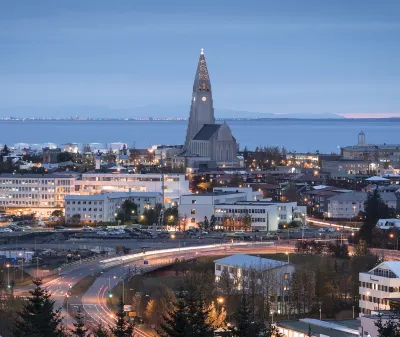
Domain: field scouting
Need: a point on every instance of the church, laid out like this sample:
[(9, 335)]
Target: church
[(207, 144)]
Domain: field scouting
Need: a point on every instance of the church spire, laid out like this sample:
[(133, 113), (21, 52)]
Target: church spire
[(202, 79)]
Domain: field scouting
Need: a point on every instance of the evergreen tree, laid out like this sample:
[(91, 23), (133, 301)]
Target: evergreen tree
[(176, 321), (374, 209), (38, 317), (245, 327), (122, 327), (199, 326), (100, 331), (79, 326)]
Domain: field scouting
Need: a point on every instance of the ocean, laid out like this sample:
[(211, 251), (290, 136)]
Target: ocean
[(299, 135)]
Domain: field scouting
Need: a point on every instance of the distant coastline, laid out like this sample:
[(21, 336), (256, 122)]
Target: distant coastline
[(172, 119)]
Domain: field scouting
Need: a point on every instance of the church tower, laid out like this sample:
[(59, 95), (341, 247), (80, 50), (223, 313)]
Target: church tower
[(201, 109)]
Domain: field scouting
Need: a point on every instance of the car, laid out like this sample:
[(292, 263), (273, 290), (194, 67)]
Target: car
[(87, 228), (59, 227), (331, 230), (7, 230), (321, 230)]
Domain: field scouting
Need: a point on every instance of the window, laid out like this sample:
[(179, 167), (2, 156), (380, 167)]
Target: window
[(193, 202), (217, 267), (192, 220), (286, 276), (193, 211)]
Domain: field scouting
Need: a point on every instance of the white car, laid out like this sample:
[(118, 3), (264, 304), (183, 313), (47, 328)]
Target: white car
[(331, 230), (7, 230)]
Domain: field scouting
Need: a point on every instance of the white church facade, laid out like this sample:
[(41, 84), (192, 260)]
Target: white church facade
[(207, 143)]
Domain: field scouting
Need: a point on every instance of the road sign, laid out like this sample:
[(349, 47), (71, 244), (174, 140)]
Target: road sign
[(127, 307), (132, 314)]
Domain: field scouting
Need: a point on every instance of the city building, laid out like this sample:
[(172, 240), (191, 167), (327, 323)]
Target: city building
[(50, 155), (349, 166), (319, 328), (235, 203), (95, 182), (207, 143), (378, 287), (35, 193), (104, 207), (384, 154), (274, 275), (348, 205)]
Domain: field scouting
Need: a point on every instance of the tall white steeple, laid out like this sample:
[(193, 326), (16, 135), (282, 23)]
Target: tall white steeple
[(201, 110)]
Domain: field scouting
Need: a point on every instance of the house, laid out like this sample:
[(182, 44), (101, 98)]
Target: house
[(273, 274)]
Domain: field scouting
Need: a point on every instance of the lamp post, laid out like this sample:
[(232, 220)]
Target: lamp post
[(397, 240), (287, 253), (8, 275), (22, 270), (320, 311), (272, 315)]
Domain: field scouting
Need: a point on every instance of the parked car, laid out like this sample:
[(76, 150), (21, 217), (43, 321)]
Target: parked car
[(59, 228)]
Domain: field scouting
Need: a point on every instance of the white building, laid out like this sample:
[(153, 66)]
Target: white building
[(174, 184), (264, 216), (378, 286), (194, 207), (235, 202), (35, 193), (103, 207), (274, 275), (348, 205)]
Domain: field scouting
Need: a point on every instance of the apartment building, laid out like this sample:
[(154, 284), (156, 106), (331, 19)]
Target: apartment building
[(274, 275), (348, 205), (104, 207), (94, 182), (35, 193), (378, 286)]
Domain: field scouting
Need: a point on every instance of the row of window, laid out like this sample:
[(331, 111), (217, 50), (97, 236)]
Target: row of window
[(220, 219), (379, 287), (84, 202), (375, 300), (30, 203), (240, 210), (73, 209)]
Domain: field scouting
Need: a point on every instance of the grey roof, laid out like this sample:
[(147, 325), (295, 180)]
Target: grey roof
[(210, 194), (248, 261), (113, 195), (324, 327), (362, 196), (36, 175), (350, 196), (207, 131)]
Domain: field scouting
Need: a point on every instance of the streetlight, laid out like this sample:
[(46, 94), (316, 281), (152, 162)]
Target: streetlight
[(272, 314), (287, 253), (397, 240), (22, 270), (8, 275), (220, 300)]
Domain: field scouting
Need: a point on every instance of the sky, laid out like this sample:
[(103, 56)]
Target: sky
[(288, 56)]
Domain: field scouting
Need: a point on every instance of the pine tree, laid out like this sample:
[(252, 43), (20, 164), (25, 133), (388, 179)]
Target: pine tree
[(176, 321), (245, 327), (79, 326), (122, 327), (38, 317), (100, 331), (198, 316)]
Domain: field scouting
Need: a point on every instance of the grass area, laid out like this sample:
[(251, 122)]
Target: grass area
[(82, 286)]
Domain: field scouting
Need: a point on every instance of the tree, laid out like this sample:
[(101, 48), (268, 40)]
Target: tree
[(338, 250), (236, 180), (246, 222), (390, 328), (198, 314), (213, 221), (176, 321), (100, 331), (216, 318), (245, 326), (171, 217), (128, 209), (273, 331), (38, 318), (374, 209), (64, 156), (79, 326), (122, 328), (58, 213)]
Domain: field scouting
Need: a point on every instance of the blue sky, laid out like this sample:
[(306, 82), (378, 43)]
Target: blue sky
[(265, 56)]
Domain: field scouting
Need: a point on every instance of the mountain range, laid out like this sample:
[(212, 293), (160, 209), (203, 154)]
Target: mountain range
[(155, 111)]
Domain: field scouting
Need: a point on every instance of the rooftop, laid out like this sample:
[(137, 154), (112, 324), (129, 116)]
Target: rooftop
[(211, 194), (207, 131), (248, 261), (344, 328), (37, 175), (112, 195)]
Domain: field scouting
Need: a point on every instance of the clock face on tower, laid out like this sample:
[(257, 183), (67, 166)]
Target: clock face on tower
[(204, 98)]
